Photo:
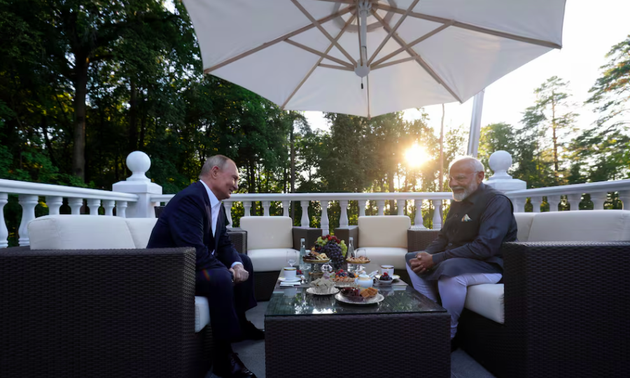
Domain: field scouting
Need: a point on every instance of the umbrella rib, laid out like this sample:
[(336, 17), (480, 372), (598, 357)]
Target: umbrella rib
[(464, 25), (392, 31), (321, 28), (318, 53), (417, 57), (310, 72), (378, 64), (392, 63), (335, 67), (279, 39)]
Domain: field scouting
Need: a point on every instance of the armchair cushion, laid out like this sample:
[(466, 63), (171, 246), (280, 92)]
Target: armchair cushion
[(380, 255), (486, 300), (524, 224), (593, 225), (202, 313), (79, 232), (269, 259), (141, 229), (268, 232), (384, 231)]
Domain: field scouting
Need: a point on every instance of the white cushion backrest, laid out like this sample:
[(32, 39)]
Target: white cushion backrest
[(384, 231), (268, 232), (140, 229), (79, 232), (585, 225), (524, 224)]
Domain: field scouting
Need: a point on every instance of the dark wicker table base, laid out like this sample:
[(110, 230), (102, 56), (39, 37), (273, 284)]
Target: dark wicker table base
[(391, 345)]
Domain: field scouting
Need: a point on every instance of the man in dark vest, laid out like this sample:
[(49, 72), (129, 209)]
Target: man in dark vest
[(195, 217), (467, 249)]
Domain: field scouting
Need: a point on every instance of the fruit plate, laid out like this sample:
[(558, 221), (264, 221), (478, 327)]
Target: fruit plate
[(333, 290), (316, 261), (375, 299), (363, 262), (394, 277)]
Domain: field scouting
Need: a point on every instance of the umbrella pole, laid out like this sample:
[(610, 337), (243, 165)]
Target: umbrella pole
[(475, 125)]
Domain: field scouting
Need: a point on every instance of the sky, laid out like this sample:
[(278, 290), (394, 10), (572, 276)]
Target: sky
[(591, 28)]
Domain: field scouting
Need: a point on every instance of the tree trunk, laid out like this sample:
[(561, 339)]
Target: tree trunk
[(78, 150), (133, 116), (292, 141), (390, 183), (48, 144), (554, 127), (441, 178)]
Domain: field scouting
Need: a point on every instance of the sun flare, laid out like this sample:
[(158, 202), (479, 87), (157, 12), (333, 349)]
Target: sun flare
[(416, 156)]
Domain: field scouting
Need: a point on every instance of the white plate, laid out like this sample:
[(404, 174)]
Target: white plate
[(311, 290), (296, 279), (395, 277), (375, 299)]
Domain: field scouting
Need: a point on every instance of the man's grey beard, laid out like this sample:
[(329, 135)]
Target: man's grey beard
[(458, 197)]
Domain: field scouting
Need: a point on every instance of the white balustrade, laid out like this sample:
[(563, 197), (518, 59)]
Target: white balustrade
[(75, 205), (4, 232), (305, 221), (536, 202), (362, 204), (418, 221), (343, 216), (227, 206), (325, 223), (285, 208), (121, 209), (437, 214), (247, 205), (28, 203), (574, 201), (266, 205), (598, 200), (54, 203), (109, 205), (380, 205), (624, 196), (401, 207), (94, 205), (553, 202)]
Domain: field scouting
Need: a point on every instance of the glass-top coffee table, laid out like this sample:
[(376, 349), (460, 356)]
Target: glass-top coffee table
[(404, 335)]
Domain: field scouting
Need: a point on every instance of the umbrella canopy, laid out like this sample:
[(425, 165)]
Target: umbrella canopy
[(371, 57)]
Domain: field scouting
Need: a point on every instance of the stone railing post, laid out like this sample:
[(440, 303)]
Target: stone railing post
[(325, 222), (437, 214), (138, 183), (343, 215), (28, 203), (305, 221), (418, 222), (4, 232)]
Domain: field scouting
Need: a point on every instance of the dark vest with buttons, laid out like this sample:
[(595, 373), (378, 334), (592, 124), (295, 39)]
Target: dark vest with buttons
[(461, 232)]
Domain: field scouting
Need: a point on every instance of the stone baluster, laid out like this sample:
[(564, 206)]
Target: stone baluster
[(519, 205), (418, 222), (108, 206), (325, 222), (93, 205), (247, 205), (624, 196), (54, 203), (75, 205), (380, 204), (285, 208), (343, 216), (598, 200), (437, 216), (227, 206), (574, 201), (362, 204), (121, 209), (305, 221), (536, 202), (4, 232), (28, 203), (401, 206), (553, 202), (266, 205)]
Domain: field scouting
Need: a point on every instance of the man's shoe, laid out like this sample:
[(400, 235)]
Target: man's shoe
[(233, 367), (250, 332)]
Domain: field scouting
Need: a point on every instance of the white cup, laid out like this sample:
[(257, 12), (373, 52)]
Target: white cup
[(289, 273), (389, 269)]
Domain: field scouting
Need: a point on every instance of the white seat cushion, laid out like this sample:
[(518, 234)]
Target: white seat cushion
[(524, 224), (592, 225), (268, 232), (141, 229), (269, 259), (79, 232), (487, 301), (383, 256), (202, 313), (384, 231)]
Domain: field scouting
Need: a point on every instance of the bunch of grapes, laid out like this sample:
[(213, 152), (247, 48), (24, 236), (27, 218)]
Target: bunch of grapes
[(333, 251)]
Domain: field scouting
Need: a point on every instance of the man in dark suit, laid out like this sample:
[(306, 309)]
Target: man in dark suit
[(195, 217), (467, 249)]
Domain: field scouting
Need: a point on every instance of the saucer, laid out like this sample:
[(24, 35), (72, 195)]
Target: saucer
[(296, 279)]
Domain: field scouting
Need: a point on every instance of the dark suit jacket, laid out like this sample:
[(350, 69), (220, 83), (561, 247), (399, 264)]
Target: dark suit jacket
[(186, 221)]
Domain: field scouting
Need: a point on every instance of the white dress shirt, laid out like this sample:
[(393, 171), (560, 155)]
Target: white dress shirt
[(215, 204)]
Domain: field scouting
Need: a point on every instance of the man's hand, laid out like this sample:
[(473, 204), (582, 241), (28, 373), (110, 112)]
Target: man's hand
[(240, 274), (421, 263)]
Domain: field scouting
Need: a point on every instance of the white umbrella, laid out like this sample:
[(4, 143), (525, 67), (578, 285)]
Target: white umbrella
[(371, 57)]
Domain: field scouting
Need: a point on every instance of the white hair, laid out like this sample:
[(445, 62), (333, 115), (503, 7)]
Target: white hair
[(473, 162)]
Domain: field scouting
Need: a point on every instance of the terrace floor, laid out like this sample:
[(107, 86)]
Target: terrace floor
[(252, 353)]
